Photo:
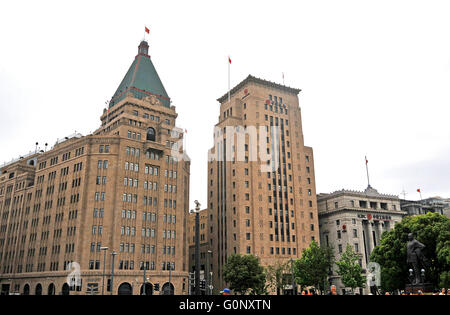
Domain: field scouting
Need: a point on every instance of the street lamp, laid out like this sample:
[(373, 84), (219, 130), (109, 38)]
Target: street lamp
[(112, 272), (197, 247), (104, 249), (145, 279), (170, 278), (293, 278), (208, 276)]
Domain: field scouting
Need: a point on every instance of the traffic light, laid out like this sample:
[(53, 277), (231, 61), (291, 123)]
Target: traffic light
[(156, 286), (203, 284)]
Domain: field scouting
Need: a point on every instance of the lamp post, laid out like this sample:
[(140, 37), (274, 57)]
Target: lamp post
[(145, 280), (293, 278), (113, 254), (208, 276), (197, 247), (170, 278), (104, 249)]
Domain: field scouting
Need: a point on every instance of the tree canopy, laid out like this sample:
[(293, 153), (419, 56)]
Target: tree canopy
[(244, 274), (350, 270), (314, 266), (431, 229), (275, 275)]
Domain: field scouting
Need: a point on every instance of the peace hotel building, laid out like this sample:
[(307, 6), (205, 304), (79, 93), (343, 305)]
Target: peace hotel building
[(261, 186), (124, 187)]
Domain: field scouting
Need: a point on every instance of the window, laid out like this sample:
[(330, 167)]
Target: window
[(151, 135)]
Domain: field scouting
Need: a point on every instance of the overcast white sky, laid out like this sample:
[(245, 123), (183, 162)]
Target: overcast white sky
[(374, 75)]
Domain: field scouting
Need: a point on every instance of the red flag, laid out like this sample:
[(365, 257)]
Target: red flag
[(367, 161), (418, 190), (147, 30), (229, 59)]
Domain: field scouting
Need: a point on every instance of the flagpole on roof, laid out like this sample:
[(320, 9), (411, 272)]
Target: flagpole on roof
[(367, 171), (229, 64)]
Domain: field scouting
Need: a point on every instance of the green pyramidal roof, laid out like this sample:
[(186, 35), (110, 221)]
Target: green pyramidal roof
[(141, 80)]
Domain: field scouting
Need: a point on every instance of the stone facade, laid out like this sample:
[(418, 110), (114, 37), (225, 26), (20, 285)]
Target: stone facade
[(261, 190), (419, 207), (124, 187), (205, 260), (358, 218)]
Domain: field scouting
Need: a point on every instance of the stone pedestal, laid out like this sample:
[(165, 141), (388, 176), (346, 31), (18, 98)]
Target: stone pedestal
[(414, 288)]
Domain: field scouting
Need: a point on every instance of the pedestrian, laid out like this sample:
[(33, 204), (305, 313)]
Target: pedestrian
[(332, 290), (442, 292)]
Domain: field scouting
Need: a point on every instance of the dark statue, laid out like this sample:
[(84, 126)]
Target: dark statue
[(415, 258)]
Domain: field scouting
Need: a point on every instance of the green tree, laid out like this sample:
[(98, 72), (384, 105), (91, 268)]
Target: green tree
[(431, 229), (314, 266), (275, 275), (350, 270), (244, 274)]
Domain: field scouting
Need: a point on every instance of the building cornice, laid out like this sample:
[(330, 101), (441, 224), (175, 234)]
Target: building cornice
[(252, 79)]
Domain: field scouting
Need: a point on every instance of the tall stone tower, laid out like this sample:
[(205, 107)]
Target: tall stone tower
[(124, 187), (261, 185)]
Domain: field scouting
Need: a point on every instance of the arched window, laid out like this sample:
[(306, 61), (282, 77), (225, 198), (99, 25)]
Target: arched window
[(38, 290), (148, 289), (51, 289), (125, 289), (151, 135), (65, 289), (26, 289), (167, 289)]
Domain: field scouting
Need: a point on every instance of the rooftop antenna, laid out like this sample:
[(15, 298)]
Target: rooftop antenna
[(404, 193)]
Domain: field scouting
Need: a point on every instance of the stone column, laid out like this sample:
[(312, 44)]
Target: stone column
[(380, 231), (370, 236)]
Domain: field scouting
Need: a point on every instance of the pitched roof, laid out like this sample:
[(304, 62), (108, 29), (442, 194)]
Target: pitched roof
[(141, 79)]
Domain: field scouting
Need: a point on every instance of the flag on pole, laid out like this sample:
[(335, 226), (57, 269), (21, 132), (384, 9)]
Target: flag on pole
[(418, 190), (229, 60), (367, 161), (147, 30)]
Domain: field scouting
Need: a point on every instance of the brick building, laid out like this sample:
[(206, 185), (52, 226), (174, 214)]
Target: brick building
[(124, 187), (261, 183)]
